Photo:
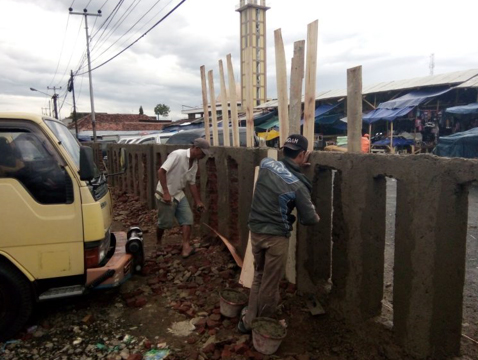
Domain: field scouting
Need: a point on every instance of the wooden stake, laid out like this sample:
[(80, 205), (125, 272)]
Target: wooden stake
[(204, 103), (296, 80), (212, 95), (310, 82), (281, 75), (249, 99), (233, 102), (225, 112), (354, 109)]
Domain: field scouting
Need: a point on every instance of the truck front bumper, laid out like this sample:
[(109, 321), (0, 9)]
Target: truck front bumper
[(119, 267)]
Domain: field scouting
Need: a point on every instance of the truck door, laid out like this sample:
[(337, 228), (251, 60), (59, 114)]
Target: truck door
[(40, 207)]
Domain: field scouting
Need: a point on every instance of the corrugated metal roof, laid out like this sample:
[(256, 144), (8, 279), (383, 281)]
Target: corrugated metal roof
[(469, 78), (472, 83)]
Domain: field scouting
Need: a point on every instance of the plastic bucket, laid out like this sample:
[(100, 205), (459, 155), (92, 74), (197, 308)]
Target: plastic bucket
[(231, 303), (267, 335)]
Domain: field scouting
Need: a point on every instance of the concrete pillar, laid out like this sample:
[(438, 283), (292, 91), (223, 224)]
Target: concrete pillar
[(354, 109), (358, 241), (314, 242), (430, 254)]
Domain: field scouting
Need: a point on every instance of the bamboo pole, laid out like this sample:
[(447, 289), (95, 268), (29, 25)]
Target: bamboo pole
[(233, 102), (354, 109), (212, 95), (225, 112), (205, 105), (249, 99), (296, 80), (310, 82), (281, 76)]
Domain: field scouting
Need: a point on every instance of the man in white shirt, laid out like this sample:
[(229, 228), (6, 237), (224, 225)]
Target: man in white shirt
[(177, 171)]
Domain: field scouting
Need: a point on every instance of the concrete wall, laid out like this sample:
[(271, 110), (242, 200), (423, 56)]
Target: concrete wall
[(347, 246)]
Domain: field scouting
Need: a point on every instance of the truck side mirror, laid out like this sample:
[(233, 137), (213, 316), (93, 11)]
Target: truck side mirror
[(87, 163), (123, 160)]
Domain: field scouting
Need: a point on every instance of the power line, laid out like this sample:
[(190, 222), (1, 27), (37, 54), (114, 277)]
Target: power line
[(107, 22), (141, 18), (103, 4), (73, 51), (61, 51), (146, 23), (134, 42), (122, 18)]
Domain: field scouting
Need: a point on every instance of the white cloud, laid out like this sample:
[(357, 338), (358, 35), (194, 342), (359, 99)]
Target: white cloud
[(390, 40)]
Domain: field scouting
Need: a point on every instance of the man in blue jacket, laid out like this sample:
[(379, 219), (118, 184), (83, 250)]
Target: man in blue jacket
[(280, 188)]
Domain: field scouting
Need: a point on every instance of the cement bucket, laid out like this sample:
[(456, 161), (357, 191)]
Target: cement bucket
[(231, 302), (267, 335)]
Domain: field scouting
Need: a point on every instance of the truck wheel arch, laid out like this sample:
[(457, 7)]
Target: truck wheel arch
[(16, 299)]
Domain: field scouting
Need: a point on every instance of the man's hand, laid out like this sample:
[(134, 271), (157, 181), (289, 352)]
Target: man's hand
[(167, 198), (200, 207), (306, 162)]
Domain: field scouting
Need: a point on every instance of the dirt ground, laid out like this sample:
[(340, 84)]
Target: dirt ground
[(174, 305)]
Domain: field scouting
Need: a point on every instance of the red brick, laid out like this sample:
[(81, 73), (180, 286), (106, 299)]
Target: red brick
[(135, 357)]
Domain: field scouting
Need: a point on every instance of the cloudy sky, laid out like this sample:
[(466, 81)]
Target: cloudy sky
[(40, 42)]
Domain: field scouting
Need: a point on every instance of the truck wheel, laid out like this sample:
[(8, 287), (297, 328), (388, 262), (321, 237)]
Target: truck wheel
[(15, 300)]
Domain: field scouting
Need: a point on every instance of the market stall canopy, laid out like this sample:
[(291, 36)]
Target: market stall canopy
[(399, 107), (271, 123), (321, 118), (464, 109), (462, 144), (413, 98), (385, 114)]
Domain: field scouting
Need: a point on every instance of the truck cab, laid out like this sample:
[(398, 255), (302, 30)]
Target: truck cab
[(55, 220)]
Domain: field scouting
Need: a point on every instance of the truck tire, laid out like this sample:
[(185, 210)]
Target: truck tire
[(16, 300)]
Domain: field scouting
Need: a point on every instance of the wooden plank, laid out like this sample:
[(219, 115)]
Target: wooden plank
[(205, 105), (281, 76), (310, 82), (249, 99), (212, 96), (233, 102), (247, 272), (354, 109), (296, 81), (225, 111)]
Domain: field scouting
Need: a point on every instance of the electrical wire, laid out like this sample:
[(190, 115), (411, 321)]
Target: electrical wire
[(120, 21), (134, 42), (146, 23), (107, 22), (103, 4), (73, 51), (123, 17), (61, 51)]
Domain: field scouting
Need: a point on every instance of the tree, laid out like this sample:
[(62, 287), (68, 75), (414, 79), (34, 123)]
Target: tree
[(141, 112), (161, 109)]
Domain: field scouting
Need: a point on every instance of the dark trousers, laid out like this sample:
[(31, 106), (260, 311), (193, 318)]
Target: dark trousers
[(270, 256)]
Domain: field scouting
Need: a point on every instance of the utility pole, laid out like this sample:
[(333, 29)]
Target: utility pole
[(71, 88), (86, 14), (55, 97), (432, 63)]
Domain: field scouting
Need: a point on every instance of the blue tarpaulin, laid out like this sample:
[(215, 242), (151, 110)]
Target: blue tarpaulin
[(464, 109), (399, 107), (320, 111), (413, 98), (397, 141), (462, 144), (385, 114)]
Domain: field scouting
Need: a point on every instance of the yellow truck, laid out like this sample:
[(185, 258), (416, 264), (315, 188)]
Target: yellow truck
[(55, 220)]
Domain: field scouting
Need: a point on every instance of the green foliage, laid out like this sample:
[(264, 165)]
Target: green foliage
[(161, 109), (141, 112)]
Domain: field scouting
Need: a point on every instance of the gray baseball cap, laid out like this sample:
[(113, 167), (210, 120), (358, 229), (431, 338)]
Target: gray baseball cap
[(203, 145)]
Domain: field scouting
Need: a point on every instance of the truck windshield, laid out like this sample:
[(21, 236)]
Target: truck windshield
[(67, 140)]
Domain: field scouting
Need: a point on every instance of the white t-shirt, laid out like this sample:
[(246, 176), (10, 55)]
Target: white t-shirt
[(178, 173)]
